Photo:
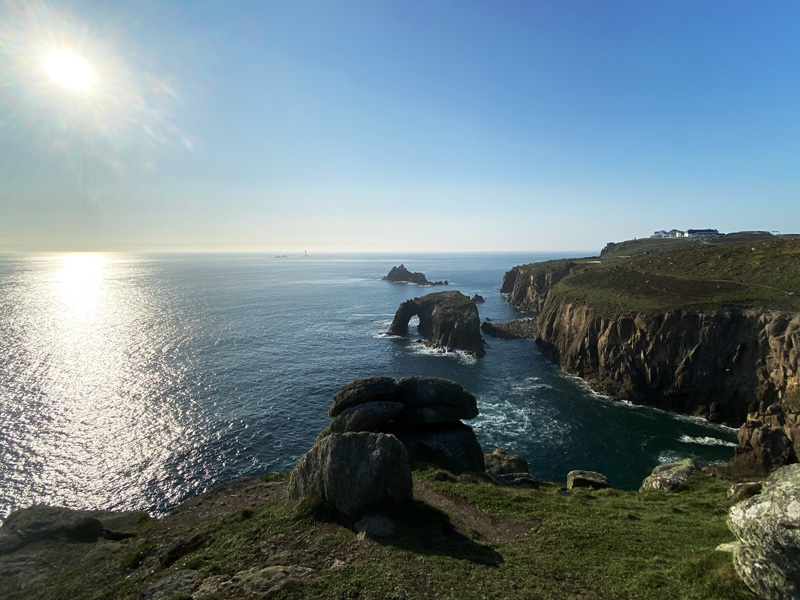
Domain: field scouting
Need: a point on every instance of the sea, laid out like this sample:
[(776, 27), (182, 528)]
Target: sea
[(135, 381)]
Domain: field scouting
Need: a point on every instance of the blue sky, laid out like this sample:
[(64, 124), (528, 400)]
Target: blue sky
[(380, 126)]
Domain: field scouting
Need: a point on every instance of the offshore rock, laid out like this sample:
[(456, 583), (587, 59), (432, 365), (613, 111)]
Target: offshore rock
[(447, 320), (668, 477), (353, 471), (401, 274), (767, 557)]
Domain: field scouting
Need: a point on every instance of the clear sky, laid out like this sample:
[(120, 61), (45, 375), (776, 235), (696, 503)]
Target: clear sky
[(436, 125)]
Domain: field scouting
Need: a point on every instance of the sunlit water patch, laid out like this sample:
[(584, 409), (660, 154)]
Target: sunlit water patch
[(137, 381)]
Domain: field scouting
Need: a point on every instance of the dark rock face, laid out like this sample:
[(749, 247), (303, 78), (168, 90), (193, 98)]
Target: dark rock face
[(586, 479), (666, 478), (767, 440), (353, 471), (718, 365), (447, 320), (424, 413), (510, 330), (478, 299), (41, 522), (401, 274), (767, 556)]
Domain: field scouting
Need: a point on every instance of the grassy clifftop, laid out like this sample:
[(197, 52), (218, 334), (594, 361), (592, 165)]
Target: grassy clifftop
[(461, 538), (656, 275)]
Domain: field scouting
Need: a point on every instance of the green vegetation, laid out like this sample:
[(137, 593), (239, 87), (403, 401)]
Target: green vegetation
[(483, 541), (656, 275)]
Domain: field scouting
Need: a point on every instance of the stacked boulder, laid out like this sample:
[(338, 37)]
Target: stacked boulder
[(379, 426), (424, 413), (767, 555)]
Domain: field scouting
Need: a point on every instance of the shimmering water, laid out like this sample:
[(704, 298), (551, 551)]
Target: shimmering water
[(135, 381)]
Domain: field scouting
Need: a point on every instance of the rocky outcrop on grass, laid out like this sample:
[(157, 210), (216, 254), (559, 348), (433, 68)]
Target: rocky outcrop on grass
[(353, 471), (767, 555), (403, 275), (424, 413), (586, 479), (447, 320), (668, 477)]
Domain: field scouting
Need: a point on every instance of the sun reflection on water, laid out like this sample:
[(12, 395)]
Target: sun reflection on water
[(96, 409)]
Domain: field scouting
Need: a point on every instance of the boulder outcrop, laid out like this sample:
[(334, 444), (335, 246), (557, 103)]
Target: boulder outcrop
[(401, 274), (353, 471), (447, 320), (767, 555), (502, 462), (424, 413), (586, 479), (668, 477)]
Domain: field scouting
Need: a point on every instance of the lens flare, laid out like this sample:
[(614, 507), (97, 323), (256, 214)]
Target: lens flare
[(69, 69)]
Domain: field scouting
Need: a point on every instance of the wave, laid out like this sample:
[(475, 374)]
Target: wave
[(705, 441)]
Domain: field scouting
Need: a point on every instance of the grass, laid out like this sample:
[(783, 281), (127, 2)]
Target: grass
[(653, 276), (583, 544)]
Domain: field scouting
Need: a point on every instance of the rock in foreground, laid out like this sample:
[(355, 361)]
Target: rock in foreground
[(666, 478), (767, 557), (447, 320), (353, 471), (423, 412)]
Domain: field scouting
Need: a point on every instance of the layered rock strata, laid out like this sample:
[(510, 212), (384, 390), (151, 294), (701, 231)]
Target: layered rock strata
[(424, 413), (447, 320)]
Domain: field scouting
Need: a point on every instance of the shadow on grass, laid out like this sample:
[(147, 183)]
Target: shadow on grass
[(425, 530)]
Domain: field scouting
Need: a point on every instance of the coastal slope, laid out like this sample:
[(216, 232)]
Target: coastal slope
[(710, 328)]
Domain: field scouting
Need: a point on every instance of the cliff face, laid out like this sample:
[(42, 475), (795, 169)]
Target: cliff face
[(447, 320), (718, 365), (529, 291)]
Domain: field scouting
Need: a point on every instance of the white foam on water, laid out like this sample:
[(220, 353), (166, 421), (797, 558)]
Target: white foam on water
[(670, 456), (705, 441)]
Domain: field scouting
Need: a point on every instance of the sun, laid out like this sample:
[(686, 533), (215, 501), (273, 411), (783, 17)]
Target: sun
[(69, 69)]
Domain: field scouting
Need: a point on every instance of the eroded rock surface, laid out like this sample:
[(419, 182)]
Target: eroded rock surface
[(767, 557), (586, 479), (447, 320), (353, 471), (668, 477)]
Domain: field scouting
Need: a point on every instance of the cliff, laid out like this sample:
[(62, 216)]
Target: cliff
[(447, 320), (710, 329)]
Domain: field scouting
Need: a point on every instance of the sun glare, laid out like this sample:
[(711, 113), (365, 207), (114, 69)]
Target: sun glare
[(70, 70)]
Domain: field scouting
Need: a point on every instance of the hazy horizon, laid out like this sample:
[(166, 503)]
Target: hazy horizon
[(393, 127)]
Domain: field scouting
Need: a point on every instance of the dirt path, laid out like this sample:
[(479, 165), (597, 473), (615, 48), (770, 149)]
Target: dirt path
[(466, 517)]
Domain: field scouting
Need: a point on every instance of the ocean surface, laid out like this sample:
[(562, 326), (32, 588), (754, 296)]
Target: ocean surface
[(136, 381)]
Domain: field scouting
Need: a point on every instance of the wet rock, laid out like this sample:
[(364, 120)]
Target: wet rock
[(767, 557), (666, 478), (583, 479), (353, 471)]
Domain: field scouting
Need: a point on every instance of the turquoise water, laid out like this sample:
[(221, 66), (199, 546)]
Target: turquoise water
[(135, 381)]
